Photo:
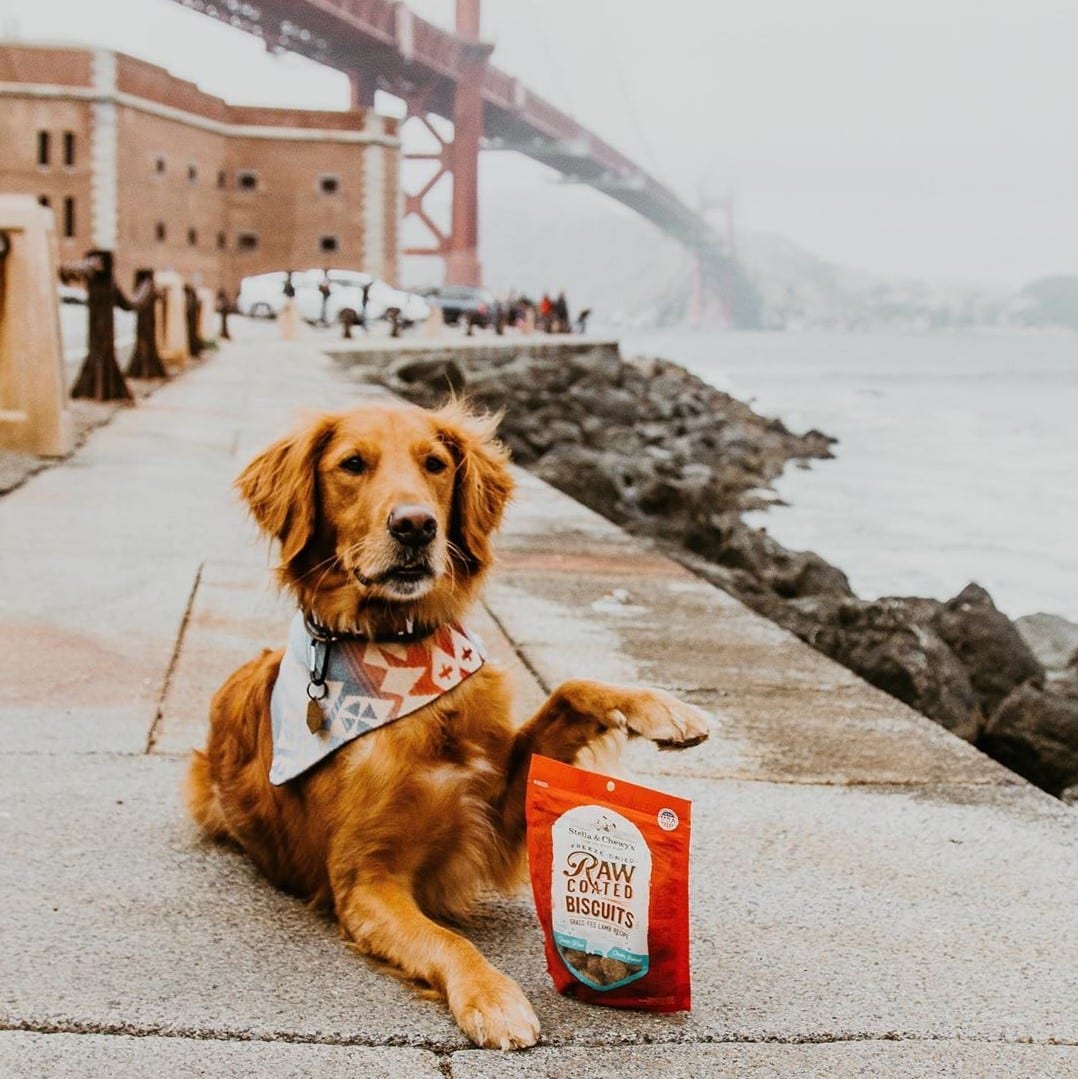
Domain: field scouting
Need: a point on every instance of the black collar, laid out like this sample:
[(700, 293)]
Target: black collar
[(320, 634)]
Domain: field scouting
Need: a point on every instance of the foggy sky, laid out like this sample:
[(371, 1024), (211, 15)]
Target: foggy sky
[(929, 138)]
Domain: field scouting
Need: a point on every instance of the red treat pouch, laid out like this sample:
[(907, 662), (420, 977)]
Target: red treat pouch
[(610, 872)]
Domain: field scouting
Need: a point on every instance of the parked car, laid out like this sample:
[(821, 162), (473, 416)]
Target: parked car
[(476, 305), (346, 301), (262, 296), (72, 294)]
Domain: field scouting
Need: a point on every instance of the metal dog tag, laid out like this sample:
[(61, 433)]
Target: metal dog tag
[(315, 719)]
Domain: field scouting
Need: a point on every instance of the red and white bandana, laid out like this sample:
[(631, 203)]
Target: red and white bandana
[(367, 684)]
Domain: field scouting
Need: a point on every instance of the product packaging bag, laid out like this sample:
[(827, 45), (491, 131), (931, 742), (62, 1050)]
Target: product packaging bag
[(610, 873)]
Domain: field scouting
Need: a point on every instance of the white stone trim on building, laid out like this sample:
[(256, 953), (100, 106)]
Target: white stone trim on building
[(104, 155), (167, 112), (374, 201)]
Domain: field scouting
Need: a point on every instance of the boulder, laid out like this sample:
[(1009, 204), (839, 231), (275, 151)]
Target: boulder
[(582, 473), (1034, 732), (789, 574), (890, 643), (1053, 640), (438, 378), (988, 645)]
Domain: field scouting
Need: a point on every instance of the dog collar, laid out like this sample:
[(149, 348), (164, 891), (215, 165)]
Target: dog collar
[(332, 687)]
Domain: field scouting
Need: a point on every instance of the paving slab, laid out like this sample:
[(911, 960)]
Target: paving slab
[(885, 1060), (91, 1056), (236, 612), (850, 735), (847, 912), (86, 644)]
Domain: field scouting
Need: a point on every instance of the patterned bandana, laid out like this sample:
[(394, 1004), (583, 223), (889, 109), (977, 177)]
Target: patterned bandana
[(364, 685)]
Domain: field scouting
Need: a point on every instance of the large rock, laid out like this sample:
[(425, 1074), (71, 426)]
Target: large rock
[(437, 377), (582, 473), (1053, 640), (1035, 733), (891, 643), (988, 645)]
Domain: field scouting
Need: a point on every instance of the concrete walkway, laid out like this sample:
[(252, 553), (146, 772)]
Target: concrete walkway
[(870, 895)]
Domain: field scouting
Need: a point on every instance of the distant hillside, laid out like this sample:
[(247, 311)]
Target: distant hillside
[(800, 290), (556, 236), (1050, 301), (603, 256)]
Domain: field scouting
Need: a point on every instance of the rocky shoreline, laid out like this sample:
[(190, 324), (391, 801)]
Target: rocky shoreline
[(669, 457)]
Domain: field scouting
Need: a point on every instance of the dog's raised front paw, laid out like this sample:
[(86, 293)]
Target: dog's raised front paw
[(495, 1013), (662, 718)]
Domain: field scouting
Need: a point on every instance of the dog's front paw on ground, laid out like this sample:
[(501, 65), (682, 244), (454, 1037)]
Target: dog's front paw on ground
[(662, 718), (496, 1014)]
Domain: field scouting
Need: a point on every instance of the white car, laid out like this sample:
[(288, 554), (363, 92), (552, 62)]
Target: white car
[(262, 296), (381, 299)]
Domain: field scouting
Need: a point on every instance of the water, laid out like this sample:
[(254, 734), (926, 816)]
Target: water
[(957, 459)]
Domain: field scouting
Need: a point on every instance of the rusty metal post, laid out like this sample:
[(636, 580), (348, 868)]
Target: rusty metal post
[(100, 377), (222, 310), (145, 359), (191, 310)]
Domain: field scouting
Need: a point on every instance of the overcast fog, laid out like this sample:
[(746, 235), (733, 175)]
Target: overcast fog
[(923, 139)]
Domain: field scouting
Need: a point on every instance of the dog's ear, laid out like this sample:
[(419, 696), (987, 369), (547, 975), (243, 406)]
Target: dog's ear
[(280, 486), (483, 485)]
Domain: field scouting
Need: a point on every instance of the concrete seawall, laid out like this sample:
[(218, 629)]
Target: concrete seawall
[(379, 352), (869, 895)]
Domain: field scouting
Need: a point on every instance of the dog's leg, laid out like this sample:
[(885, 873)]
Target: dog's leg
[(577, 714), (382, 918)]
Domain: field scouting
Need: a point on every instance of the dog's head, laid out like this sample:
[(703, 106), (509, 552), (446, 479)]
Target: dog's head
[(382, 513)]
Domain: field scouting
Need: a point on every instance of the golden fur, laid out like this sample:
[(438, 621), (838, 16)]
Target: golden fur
[(402, 829)]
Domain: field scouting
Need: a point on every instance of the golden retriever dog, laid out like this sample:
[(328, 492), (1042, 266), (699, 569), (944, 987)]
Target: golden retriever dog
[(384, 517)]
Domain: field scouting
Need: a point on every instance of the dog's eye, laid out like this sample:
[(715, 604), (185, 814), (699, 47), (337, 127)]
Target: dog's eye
[(434, 464), (354, 464)]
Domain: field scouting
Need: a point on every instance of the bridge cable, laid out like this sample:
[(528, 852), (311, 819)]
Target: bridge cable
[(630, 107)]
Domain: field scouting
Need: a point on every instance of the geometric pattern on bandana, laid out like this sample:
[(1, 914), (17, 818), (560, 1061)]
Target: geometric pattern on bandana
[(368, 684)]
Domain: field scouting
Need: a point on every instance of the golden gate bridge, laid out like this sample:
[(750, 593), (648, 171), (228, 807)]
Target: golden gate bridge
[(383, 45)]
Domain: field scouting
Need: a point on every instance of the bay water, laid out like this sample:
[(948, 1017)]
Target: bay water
[(957, 457)]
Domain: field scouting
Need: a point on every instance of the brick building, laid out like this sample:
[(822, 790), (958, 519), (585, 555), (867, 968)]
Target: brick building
[(136, 161)]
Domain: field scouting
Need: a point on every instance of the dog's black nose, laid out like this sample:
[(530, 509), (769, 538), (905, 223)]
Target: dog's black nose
[(413, 526)]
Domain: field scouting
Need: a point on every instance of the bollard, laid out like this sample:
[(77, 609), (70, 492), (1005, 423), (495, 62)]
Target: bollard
[(33, 383), (100, 377), (171, 318), (223, 311), (145, 359), (435, 323), (207, 327), (191, 320)]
